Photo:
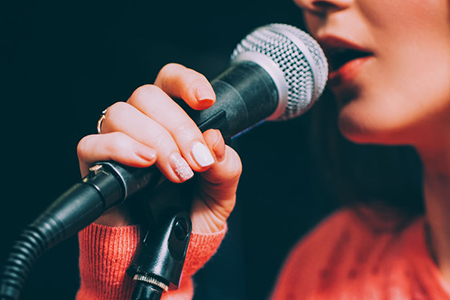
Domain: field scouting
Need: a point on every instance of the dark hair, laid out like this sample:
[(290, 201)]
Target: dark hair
[(371, 174)]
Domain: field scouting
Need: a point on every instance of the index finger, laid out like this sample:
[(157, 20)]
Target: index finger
[(181, 82)]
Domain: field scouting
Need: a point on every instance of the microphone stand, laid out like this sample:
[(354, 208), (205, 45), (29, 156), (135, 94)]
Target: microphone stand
[(158, 262), (159, 259)]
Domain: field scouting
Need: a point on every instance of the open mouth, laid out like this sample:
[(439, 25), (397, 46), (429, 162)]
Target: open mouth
[(338, 57)]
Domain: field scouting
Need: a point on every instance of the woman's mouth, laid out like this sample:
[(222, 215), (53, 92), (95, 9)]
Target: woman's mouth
[(339, 57), (345, 65), (345, 60)]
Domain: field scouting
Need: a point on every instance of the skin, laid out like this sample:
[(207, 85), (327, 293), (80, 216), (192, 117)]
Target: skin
[(401, 95)]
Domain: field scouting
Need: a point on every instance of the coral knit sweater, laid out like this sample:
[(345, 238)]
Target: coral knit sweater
[(354, 254), (106, 252)]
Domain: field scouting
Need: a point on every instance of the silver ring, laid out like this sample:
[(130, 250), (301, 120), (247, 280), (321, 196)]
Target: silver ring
[(100, 121)]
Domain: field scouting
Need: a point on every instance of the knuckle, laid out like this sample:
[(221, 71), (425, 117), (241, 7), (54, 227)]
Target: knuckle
[(118, 139), (170, 68), (195, 77), (145, 93), (234, 175), (234, 165), (118, 143), (200, 78), (187, 130), (84, 146), (238, 171), (114, 113), (115, 110), (162, 140)]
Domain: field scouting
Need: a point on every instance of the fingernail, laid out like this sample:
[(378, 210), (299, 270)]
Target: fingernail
[(180, 167), (202, 155), (204, 94)]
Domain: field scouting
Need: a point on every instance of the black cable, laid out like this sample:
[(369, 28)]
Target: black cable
[(107, 184), (146, 291), (34, 241)]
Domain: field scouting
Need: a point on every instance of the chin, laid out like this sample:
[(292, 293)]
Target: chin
[(368, 131), (370, 118), (356, 133)]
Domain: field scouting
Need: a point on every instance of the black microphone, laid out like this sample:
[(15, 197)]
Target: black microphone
[(277, 72)]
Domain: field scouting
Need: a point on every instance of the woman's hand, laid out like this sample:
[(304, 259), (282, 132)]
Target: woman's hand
[(150, 128)]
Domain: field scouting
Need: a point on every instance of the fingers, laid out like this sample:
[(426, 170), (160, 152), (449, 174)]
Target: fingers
[(113, 146), (181, 82), (215, 142), (150, 122), (150, 128), (153, 119), (227, 168), (218, 186), (177, 123)]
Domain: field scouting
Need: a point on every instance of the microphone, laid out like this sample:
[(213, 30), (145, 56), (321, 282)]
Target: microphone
[(277, 72)]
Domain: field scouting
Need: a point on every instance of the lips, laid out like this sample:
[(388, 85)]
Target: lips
[(345, 58)]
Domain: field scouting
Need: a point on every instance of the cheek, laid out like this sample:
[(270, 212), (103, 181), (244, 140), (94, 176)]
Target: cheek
[(404, 15), (397, 99), (312, 23), (408, 87)]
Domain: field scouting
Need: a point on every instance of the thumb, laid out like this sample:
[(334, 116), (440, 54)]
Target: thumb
[(222, 177), (217, 186)]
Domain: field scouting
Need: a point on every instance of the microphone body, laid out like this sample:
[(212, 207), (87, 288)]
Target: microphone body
[(246, 95)]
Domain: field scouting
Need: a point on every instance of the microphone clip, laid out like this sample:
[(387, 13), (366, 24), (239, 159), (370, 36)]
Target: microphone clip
[(159, 259)]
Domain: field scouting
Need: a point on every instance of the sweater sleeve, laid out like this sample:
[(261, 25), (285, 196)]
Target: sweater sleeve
[(106, 252)]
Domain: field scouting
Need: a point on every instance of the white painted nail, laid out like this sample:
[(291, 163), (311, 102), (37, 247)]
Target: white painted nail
[(202, 155), (180, 167)]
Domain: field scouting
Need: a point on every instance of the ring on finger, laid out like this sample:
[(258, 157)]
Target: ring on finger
[(100, 121)]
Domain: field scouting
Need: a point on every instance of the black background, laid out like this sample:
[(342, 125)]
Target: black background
[(63, 62)]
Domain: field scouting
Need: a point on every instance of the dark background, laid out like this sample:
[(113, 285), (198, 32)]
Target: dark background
[(63, 62)]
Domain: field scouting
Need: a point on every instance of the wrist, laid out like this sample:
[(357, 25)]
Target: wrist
[(207, 221), (116, 216)]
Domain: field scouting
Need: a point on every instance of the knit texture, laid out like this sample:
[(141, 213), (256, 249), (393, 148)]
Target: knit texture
[(354, 255), (106, 252)]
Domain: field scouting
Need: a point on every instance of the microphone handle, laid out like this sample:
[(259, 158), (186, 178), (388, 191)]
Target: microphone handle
[(245, 95)]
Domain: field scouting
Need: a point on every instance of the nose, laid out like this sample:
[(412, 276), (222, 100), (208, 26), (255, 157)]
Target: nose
[(322, 7)]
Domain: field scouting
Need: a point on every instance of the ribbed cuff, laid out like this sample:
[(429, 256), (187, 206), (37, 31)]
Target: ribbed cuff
[(106, 252), (201, 248)]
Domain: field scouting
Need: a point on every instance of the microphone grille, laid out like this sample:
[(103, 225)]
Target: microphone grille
[(300, 60)]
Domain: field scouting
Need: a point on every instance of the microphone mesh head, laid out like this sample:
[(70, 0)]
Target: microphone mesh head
[(300, 59)]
